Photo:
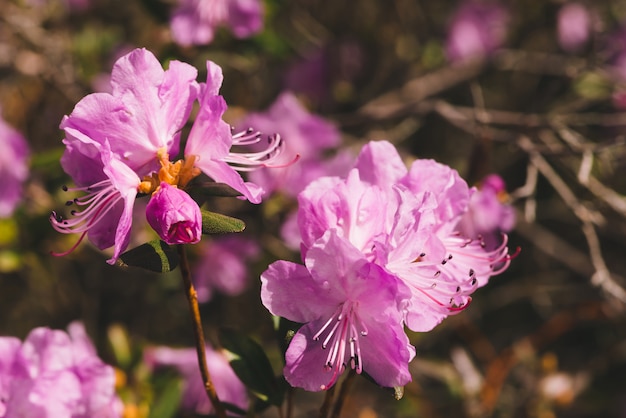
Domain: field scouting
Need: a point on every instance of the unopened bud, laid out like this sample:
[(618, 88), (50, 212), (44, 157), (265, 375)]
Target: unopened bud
[(174, 215)]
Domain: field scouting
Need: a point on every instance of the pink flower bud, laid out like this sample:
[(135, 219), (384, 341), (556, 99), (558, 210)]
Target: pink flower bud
[(174, 215)]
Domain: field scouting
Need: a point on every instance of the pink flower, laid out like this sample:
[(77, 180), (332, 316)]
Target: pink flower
[(222, 266), (53, 374), (174, 215), (477, 29), (119, 143), (574, 26), (351, 310), (13, 168), (487, 215), (407, 222), (194, 22), (309, 136), (227, 385)]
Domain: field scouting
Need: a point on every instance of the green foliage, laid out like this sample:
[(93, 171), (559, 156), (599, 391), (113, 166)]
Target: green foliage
[(167, 400), (216, 223), (252, 366), (155, 256)]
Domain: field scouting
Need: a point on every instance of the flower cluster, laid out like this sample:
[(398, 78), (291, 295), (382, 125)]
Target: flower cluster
[(382, 248), (53, 374), (118, 146)]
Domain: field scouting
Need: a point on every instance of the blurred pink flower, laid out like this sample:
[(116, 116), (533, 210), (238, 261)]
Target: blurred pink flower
[(227, 385), (306, 135), (323, 74), (573, 26), (223, 266), (488, 215), (13, 168), (53, 374), (476, 30), (194, 22)]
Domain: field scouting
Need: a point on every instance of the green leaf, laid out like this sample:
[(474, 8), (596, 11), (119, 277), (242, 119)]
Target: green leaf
[(209, 189), (167, 402), (252, 366), (154, 256), (593, 86), (216, 223)]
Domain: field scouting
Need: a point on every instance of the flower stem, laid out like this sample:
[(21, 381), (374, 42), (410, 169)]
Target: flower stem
[(192, 298), (328, 400), (343, 392)]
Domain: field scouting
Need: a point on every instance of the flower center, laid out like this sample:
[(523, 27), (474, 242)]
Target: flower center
[(342, 333), (176, 174)]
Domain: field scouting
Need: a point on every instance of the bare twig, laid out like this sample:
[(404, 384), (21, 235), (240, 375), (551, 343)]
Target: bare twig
[(558, 184), (602, 276), (416, 90), (192, 297)]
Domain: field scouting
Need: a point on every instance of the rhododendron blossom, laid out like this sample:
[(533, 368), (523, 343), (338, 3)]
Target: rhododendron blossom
[(53, 374), (477, 29), (403, 222), (194, 22), (118, 145), (352, 314)]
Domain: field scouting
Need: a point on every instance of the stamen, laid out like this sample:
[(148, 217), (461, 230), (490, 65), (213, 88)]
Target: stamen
[(343, 341), (248, 161), (101, 199)]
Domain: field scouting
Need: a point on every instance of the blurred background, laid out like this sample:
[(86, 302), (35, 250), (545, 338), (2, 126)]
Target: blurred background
[(532, 90)]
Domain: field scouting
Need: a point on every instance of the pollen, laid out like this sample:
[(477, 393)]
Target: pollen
[(178, 174)]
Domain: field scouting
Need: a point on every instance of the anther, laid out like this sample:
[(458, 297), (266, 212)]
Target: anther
[(64, 187)]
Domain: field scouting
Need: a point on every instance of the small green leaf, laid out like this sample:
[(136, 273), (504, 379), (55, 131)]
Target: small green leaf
[(155, 256), (252, 366), (209, 189), (166, 404), (216, 223), (593, 86)]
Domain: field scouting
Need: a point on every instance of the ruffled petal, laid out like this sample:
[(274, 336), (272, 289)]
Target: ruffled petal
[(288, 290)]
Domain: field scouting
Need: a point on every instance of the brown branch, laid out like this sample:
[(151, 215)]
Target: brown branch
[(343, 394), (192, 297), (328, 400)]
